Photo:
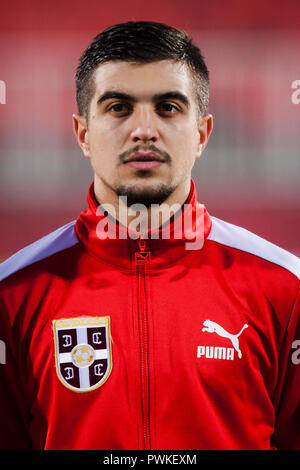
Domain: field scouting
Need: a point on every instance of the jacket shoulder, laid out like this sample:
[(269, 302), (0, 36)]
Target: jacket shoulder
[(56, 241), (241, 239)]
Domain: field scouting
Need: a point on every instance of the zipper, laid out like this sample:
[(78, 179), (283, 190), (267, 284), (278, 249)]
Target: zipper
[(142, 260)]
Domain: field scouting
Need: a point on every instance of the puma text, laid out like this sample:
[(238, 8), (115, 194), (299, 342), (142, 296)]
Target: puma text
[(215, 352)]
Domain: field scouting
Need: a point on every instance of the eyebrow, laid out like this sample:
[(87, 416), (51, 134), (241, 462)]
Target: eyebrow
[(170, 95)]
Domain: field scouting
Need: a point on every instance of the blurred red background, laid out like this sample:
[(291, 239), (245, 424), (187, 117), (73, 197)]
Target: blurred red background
[(248, 175)]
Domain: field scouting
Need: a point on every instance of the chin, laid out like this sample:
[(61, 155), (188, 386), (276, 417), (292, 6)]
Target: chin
[(139, 194)]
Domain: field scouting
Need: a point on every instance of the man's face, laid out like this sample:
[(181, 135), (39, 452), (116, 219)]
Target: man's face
[(143, 133)]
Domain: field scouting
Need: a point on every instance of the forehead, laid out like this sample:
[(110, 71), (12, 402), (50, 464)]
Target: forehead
[(143, 79)]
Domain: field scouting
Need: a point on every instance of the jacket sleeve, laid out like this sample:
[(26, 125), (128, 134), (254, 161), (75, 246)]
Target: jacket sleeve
[(14, 414), (287, 425)]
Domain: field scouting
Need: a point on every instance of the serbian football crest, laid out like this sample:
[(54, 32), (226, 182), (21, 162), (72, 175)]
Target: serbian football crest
[(83, 356)]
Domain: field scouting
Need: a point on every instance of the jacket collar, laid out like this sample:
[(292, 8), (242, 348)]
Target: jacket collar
[(118, 245)]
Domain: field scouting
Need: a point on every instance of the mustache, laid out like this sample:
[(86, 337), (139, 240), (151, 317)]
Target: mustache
[(124, 155)]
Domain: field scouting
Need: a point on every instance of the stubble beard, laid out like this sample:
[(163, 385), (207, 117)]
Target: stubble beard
[(155, 193), (144, 196)]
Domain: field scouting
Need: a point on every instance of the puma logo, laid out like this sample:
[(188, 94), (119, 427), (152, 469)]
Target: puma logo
[(213, 327)]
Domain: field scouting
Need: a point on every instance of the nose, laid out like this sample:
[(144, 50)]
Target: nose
[(144, 125)]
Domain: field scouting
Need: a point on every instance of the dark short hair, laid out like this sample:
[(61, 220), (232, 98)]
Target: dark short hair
[(140, 42)]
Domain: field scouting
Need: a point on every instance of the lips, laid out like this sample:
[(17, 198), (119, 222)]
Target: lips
[(144, 160)]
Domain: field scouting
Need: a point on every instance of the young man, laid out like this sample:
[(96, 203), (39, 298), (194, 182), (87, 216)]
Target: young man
[(147, 323)]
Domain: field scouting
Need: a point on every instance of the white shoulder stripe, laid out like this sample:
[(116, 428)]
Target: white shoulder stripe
[(241, 239), (56, 241)]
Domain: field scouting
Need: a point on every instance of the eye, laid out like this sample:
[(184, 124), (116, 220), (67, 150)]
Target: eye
[(120, 108), (167, 108)]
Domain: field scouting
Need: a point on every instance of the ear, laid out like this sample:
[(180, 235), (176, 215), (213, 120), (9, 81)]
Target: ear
[(205, 128), (81, 133)]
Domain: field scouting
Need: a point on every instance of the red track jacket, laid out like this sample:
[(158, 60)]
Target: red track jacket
[(144, 344)]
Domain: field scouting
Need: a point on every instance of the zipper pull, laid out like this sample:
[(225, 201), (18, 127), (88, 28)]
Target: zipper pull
[(142, 257), (142, 243)]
